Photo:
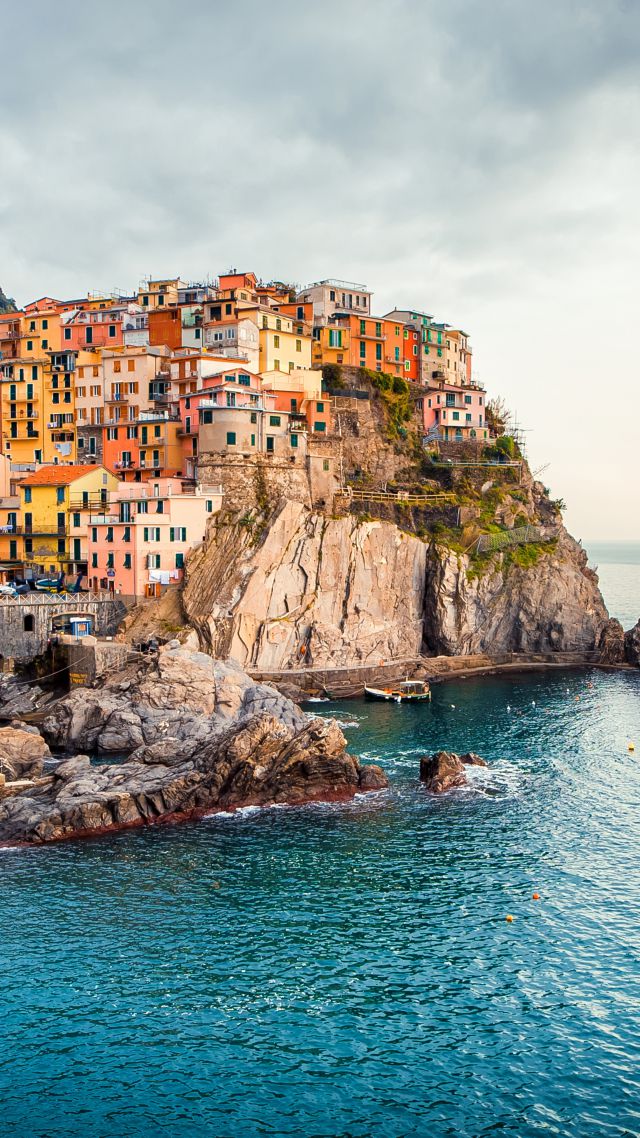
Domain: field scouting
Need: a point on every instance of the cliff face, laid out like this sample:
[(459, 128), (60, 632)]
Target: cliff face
[(333, 592), (552, 606), (314, 589)]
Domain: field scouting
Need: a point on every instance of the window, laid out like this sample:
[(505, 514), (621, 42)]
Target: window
[(363, 327), (157, 431), (298, 345), (294, 440), (45, 344), (143, 507), (13, 551), (320, 427), (253, 440), (27, 623), (67, 333), (274, 420), (407, 365), (440, 351), (415, 349), (126, 564), (244, 380), (332, 295), (160, 506), (378, 329), (156, 458), (29, 345), (456, 414), (112, 331), (279, 324), (378, 351), (179, 560), (276, 364), (320, 407), (126, 533), (325, 464), (270, 444), (363, 350), (276, 341), (110, 561), (467, 417), (27, 493), (397, 329), (396, 352), (117, 367), (335, 337), (88, 335), (60, 494), (209, 506), (76, 520), (131, 365), (34, 372), (231, 438)]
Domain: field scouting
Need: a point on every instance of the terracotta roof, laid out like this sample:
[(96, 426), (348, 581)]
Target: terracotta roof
[(57, 475)]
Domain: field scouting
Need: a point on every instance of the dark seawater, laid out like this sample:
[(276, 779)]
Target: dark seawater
[(348, 971), (618, 565)]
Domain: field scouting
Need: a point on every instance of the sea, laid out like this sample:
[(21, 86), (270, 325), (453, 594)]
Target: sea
[(349, 971)]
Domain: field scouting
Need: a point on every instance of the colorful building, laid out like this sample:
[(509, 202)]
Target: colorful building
[(140, 540), (360, 341), (454, 412), (49, 497)]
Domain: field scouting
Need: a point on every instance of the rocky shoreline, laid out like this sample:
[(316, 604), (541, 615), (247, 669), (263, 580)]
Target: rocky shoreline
[(199, 736)]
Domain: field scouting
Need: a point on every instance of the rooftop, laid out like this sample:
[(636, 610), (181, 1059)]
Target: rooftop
[(57, 475)]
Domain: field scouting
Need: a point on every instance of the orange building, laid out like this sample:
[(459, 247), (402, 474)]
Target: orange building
[(360, 341)]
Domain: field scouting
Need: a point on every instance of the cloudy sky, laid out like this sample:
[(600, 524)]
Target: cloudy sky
[(477, 159)]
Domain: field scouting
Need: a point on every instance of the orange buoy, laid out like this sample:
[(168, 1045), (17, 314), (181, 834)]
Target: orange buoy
[(536, 896), (508, 917)]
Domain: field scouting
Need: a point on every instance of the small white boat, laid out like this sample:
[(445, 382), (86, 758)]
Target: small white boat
[(407, 691)]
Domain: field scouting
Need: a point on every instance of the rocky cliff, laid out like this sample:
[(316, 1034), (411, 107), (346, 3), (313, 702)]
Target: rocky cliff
[(302, 588)]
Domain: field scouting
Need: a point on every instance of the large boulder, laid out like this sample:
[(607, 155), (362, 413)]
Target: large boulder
[(200, 735), (611, 643), (22, 753), (632, 645), (445, 770)]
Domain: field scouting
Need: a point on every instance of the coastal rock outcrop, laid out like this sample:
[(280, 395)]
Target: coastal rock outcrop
[(552, 606), (200, 736), (22, 752), (632, 645)]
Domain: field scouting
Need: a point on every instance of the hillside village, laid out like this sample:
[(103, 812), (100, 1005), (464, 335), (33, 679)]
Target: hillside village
[(129, 423)]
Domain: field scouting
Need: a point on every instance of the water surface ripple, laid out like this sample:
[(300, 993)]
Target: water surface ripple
[(348, 970)]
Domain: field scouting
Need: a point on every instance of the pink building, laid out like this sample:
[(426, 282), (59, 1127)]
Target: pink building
[(141, 541), (454, 411)]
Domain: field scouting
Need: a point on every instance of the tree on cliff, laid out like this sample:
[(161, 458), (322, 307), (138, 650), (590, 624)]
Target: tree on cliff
[(7, 303)]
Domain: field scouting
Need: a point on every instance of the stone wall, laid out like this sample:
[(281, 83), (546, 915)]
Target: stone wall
[(26, 622), (255, 481)]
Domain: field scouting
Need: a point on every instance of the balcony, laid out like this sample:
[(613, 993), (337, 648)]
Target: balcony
[(40, 531)]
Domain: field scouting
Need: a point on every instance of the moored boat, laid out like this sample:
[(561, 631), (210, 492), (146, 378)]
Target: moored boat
[(407, 691)]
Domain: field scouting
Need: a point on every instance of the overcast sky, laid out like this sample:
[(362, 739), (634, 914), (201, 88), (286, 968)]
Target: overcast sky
[(477, 159)]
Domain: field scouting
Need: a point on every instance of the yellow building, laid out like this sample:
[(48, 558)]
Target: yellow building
[(282, 347), (331, 345), (51, 527), (37, 403)]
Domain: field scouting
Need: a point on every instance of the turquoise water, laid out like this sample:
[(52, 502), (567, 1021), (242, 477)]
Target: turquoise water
[(348, 970)]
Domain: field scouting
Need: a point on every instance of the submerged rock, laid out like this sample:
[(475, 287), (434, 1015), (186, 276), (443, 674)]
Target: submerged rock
[(445, 770), (200, 736)]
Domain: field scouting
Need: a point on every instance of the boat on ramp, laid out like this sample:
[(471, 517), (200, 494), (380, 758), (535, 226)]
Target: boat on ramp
[(407, 691)]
